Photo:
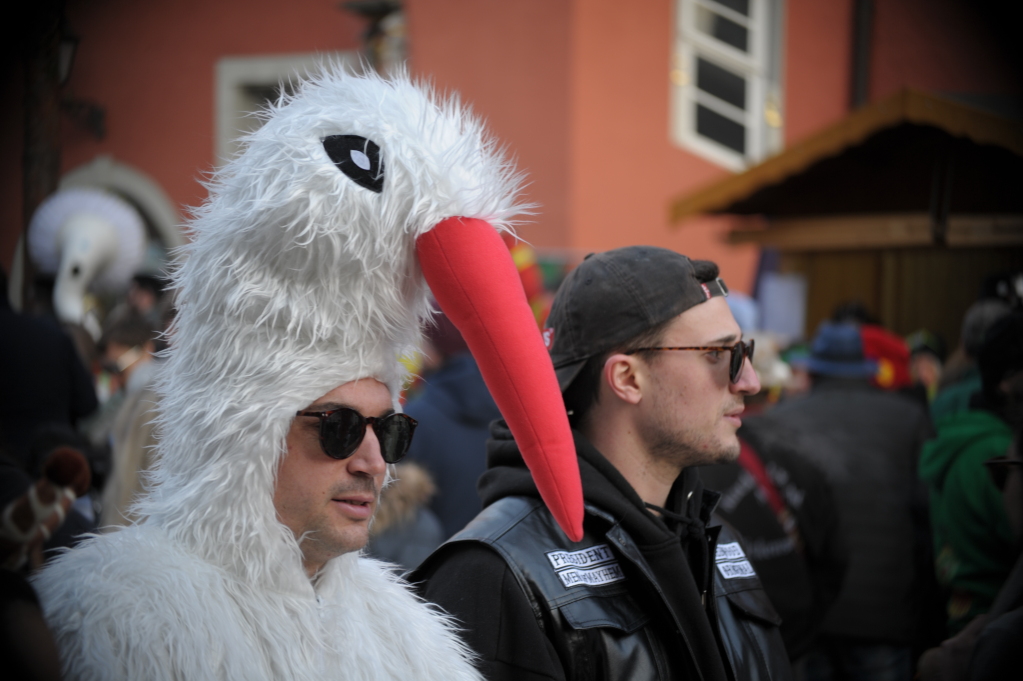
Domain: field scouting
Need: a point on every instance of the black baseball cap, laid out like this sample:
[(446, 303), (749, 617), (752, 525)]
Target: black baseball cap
[(614, 296)]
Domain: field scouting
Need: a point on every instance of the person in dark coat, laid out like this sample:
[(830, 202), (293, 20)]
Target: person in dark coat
[(44, 382), (783, 506), (866, 441)]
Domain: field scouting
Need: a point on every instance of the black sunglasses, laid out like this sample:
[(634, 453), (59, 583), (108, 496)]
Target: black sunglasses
[(342, 431), (740, 352)]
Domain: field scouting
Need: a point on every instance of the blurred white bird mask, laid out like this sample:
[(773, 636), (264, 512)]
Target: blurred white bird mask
[(88, 239)]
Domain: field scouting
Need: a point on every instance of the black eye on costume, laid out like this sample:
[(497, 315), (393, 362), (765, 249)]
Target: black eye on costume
[(358, 158)]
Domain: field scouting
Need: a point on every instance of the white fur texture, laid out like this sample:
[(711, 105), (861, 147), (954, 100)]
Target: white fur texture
[(134, 605), (297, 280), (54, 212)]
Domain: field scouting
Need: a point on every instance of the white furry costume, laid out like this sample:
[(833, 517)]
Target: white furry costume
[(297, 281)]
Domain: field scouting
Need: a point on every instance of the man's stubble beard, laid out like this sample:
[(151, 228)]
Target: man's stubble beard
[(683, 447), (341, 547), (684, 450)]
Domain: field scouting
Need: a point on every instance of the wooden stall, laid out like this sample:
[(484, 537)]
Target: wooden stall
[(907, 205)]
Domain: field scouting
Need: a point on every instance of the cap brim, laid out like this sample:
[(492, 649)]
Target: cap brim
[(567, 373)]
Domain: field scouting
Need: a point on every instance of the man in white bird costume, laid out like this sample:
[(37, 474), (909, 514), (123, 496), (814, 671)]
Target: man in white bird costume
[(306, 279)]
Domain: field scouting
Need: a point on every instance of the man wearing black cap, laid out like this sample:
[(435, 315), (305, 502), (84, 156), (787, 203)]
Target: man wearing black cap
[(653, 371)]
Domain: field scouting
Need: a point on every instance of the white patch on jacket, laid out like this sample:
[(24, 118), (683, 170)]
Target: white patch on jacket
[(297, 281)]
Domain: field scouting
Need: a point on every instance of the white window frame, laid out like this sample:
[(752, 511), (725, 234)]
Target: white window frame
[(761, 68), (234, 75)]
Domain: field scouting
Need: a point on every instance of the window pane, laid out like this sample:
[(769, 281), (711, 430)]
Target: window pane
[(720, 129), (740, 6), (725, 30), (721, 83)]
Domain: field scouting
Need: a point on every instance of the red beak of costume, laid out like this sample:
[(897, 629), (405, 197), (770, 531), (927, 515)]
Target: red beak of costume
[(476, 284)]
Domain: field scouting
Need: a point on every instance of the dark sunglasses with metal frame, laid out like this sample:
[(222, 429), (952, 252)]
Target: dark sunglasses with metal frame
[(342, 431), (740, 352)]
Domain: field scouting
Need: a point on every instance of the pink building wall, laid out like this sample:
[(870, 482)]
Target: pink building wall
[(577, 90), (622, 169), (151, 65), (818, 53), (511, 61), (626, 169)]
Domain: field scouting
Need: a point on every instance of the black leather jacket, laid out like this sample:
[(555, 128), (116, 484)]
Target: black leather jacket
[(596, 600)]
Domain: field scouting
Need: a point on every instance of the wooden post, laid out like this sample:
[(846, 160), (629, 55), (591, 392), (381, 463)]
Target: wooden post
[(41, 159)]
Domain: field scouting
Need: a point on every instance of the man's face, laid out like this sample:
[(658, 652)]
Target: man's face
[(328, 503), (690, 410)]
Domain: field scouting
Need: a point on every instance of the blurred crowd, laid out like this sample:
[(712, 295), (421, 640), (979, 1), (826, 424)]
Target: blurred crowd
[(878, 488), (879, 485)]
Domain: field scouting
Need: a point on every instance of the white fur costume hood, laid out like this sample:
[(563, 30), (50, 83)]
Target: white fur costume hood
[(297, 280)]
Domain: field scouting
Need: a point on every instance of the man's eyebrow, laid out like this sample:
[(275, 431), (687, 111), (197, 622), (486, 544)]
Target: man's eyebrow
[(730, 339)]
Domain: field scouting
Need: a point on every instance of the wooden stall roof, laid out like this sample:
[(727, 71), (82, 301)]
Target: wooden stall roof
[(881, 158)]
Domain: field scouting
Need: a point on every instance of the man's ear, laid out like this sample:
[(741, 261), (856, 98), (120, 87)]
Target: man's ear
[(622, 377)]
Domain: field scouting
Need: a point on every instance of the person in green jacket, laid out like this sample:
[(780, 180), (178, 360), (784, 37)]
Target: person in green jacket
[(974, 545)]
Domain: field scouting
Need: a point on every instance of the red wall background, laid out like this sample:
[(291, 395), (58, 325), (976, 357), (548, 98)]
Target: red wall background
[(577, 90), (151, 65)]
